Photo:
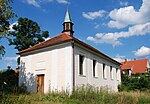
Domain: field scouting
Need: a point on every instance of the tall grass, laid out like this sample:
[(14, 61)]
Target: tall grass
[(83, 95)]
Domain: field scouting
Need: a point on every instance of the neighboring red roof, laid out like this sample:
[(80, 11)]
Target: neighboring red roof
[(136, 66), (17, 70), (64, 37)]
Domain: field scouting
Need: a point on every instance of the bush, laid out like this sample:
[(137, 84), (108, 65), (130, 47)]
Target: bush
[(135, 82), (8, 81)]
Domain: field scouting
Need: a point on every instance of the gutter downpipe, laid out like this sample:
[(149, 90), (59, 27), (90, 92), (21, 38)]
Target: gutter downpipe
[(73, 64)]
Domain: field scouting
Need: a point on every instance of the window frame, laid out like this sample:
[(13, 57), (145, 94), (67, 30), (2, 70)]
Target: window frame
[(94, 69), (117, 74), (104, 71), (111, 73), (81, 65)]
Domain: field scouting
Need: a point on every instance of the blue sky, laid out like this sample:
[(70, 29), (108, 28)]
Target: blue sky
[(118, 28)]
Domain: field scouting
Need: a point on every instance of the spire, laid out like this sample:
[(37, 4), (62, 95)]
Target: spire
[(68, 25), (67, 17)]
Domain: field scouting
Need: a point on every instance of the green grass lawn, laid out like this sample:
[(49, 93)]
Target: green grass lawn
[(81, 96)]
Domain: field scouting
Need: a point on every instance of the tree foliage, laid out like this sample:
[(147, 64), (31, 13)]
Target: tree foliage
[(8, 80), (6, 13), (2, 51), (135, 82), (26, 33)]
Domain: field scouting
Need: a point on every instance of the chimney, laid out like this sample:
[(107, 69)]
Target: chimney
[(125, 61)]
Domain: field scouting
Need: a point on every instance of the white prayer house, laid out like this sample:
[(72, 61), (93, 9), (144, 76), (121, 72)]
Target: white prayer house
[(65, 62)]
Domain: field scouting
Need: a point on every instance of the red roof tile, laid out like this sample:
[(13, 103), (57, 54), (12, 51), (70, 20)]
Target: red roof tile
[(136, 66), (64, 37)]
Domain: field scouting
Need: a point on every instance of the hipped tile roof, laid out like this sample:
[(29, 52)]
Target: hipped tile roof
[(136, 66), (62, 38)]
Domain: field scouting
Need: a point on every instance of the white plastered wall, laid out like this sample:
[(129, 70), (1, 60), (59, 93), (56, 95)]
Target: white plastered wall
[(56, 65), (148, 66), (99, 81)]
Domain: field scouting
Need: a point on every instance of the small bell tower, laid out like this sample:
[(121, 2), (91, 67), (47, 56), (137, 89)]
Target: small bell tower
[(68, 25)]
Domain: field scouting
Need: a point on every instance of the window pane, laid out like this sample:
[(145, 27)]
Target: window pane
[(81, 59), (94, 70), (104, 71), (111, 72), (117, 73)]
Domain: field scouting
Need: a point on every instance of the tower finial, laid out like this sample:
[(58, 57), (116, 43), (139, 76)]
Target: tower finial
[(67, 17), (67, 4)]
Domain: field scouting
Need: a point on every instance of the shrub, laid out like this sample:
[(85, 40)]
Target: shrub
[(135, 82), (8, 81)]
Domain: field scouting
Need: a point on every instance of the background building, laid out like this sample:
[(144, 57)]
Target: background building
[(135, 66)]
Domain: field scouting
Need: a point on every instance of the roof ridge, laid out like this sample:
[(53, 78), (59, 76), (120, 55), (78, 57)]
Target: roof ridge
[(135, 60), (56, 36), (137, 66)]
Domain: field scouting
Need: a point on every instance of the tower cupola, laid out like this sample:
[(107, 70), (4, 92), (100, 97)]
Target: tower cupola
[(68, 25)]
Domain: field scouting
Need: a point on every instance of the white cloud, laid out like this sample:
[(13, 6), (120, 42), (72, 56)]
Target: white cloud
[(97, 26), (94, 15), (10, 58), (115, 38), (11, 26), (123, 3), (11, 61), (47, 38), (142, 51), (91, 39), (116, 24), (130, 16), (37, 3), (11, 64), (62, 1), (119, 58)]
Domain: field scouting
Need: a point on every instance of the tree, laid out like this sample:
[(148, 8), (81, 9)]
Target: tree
[(6, 13), (26, 33)]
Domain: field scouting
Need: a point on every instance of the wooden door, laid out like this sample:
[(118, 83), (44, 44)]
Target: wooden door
[(40, 83)]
